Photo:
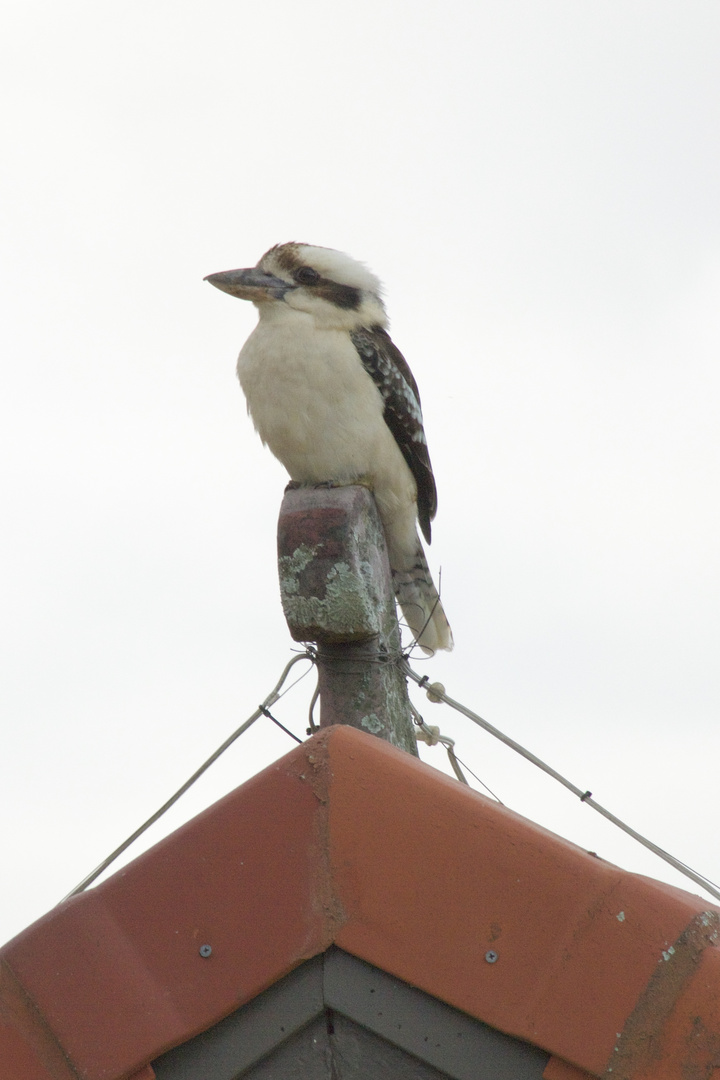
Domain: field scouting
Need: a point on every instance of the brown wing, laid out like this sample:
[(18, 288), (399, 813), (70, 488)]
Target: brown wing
[(389, 371)]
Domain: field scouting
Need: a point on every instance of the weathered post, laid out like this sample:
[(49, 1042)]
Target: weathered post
[(337, 592)]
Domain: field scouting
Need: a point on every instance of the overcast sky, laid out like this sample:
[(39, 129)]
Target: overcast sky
[(536, 182)]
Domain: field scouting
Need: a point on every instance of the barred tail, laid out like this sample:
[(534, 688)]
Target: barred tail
[(417, 596)]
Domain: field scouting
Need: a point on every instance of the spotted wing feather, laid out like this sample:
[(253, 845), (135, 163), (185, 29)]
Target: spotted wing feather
[(389, 370)]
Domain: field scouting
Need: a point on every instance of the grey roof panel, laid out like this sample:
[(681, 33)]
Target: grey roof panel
[(236, 1043), (335, 1048), (338, 1017), (463, 1047)]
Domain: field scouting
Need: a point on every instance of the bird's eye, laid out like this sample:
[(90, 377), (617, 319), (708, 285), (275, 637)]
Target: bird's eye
[(306, 276)]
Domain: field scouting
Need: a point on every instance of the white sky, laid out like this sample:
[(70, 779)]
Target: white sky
[(537, 184)]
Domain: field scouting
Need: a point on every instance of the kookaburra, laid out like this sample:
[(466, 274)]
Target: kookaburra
[(335, 401)]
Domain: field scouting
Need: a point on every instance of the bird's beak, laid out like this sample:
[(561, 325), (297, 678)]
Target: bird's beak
[(252, 284)]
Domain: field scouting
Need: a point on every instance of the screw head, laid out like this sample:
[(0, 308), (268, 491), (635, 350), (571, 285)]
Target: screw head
[(206, 950), (491, 956)]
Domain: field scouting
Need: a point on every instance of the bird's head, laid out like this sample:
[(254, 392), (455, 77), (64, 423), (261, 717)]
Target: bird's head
[(337, 291)]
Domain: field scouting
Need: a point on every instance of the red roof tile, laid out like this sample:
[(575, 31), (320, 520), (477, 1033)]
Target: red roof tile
[(349, 841)]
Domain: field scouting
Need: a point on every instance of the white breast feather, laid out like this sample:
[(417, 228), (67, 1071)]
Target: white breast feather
[(320, 413)]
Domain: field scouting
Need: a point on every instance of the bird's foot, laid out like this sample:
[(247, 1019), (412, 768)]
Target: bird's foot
[(355, 481), (362, 481)]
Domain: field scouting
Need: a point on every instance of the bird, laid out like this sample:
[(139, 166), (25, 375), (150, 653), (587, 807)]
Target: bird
[(335, 401)]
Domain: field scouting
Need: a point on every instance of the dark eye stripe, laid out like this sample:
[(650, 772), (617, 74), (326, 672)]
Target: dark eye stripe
[(342, 296)]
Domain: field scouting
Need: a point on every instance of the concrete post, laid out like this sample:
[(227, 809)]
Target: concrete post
[(336, 591)]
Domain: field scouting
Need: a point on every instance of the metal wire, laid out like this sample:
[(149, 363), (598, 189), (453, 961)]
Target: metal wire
[(311, 711), (438, 694), (260, 711), (584, 796)]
